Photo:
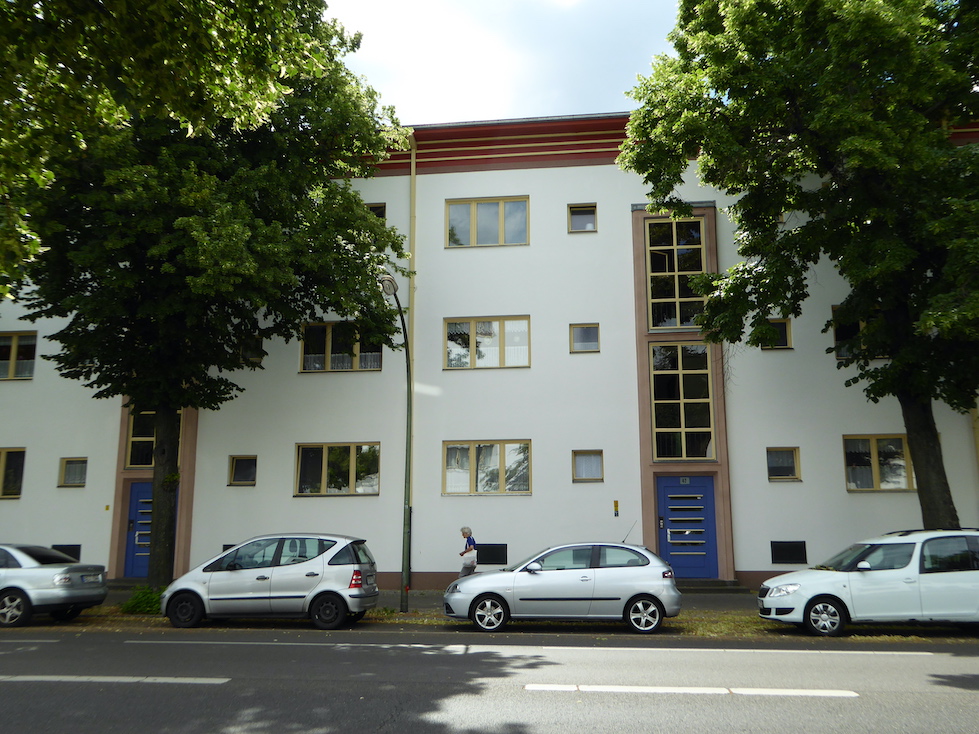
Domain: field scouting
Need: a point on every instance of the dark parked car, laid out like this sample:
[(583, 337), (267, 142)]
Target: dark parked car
[(35, 579), (328, 578)]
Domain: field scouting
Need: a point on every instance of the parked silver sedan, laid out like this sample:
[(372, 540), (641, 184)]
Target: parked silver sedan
[(610, 581), (329, 579), (35, 579)]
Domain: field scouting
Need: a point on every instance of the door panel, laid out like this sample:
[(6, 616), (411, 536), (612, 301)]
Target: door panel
[(688, 532), (563, 588), (138, 530)]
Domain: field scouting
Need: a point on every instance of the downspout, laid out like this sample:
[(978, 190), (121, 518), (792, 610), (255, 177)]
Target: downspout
[(410, 387)]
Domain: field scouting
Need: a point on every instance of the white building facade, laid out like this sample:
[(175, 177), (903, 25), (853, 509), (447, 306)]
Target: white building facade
[(559, 392)]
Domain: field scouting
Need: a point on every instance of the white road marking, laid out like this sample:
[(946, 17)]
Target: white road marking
[(796, 692), (111, 679), (524, 649)]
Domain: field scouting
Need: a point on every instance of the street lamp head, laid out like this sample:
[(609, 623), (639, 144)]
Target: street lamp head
[(388, 284)]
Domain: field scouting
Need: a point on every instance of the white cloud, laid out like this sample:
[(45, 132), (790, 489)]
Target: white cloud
[(433, 61)]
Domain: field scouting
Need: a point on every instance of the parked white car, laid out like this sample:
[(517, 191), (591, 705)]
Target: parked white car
[(610, 581), (904, 576), (329, 579)]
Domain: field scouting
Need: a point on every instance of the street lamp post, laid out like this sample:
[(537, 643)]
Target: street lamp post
[(390, 287)]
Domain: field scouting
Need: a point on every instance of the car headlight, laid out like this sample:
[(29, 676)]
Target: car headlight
[(783, 590), (453, 589)]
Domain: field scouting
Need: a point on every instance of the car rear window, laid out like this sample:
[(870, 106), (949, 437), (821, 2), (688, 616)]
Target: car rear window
[(46, 556), (356, 552)]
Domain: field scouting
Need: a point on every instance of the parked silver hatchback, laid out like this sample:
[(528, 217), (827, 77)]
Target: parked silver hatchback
[(328, 578), (37, 579), (610, 581)]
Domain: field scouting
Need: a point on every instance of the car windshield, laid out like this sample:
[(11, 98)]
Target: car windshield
[(46, 556), (844, 559), (524, 562)]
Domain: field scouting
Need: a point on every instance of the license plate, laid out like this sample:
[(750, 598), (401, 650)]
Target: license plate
[(370, 579), (91, 578), (761, 604)]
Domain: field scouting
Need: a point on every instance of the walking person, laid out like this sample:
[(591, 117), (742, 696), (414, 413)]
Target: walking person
[(468, 553)]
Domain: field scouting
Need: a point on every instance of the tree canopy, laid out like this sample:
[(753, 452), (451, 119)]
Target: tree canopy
[(831, 122), (65, 65), (168, 255)]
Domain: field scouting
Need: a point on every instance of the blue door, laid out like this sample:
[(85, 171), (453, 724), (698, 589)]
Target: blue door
[(138, 535), (687, 532)]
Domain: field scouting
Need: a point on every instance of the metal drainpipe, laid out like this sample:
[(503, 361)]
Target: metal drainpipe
[(410, 388)]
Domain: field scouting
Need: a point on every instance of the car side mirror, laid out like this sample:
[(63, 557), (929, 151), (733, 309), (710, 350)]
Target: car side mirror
[(533, 567), (864, 566)]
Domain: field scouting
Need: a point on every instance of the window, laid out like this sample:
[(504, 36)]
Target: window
[(334, 347), (582, 218), (476, 222), (588, 466), (682, 422), (783, 464), (17, 356), (584, 338), (611, 557), (877, 462), (953, 553), (73, 472), (379, 210), (784, 338), (11, 472), (338, 469), (674, 252), (141, 440), (889, 556), (485, 343), (845, 338), (252, 350), (577, 558), (242, 471), (486, 467)]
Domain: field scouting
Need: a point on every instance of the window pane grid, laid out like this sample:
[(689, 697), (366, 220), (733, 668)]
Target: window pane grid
[(682, 410), (674, 251), (877, 463), (487, 343), (17, 352), (338, 469), (11, 472), (486, 467), (487, 222), (335, 347)]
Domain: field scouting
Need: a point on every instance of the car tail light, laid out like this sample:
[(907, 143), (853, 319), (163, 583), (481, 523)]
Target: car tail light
[(668, 573), (356, 581)]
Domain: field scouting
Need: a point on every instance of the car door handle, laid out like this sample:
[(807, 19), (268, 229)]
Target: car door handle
[(261, 578), (586, 578), (312, 573), (909, 581)]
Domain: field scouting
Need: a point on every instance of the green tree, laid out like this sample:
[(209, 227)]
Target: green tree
[(66, 64), (168, 255), (836, 114)]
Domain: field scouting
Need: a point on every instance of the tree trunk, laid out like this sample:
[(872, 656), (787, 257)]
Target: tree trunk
[(934, 495), (166, 479)]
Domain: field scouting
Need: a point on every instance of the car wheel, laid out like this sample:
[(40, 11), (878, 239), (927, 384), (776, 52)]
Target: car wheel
[(65, 615), (489, 613), (644, 614), (825, 617), (15, 608), (328, 611), (185, 610)]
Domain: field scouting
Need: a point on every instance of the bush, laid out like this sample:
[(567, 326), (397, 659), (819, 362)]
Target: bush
[(143, 600)]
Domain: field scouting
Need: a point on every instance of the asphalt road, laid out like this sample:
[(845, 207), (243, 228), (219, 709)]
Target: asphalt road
[(267, 677)]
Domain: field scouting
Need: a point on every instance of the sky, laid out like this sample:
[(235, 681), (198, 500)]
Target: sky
[(440, 61)]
